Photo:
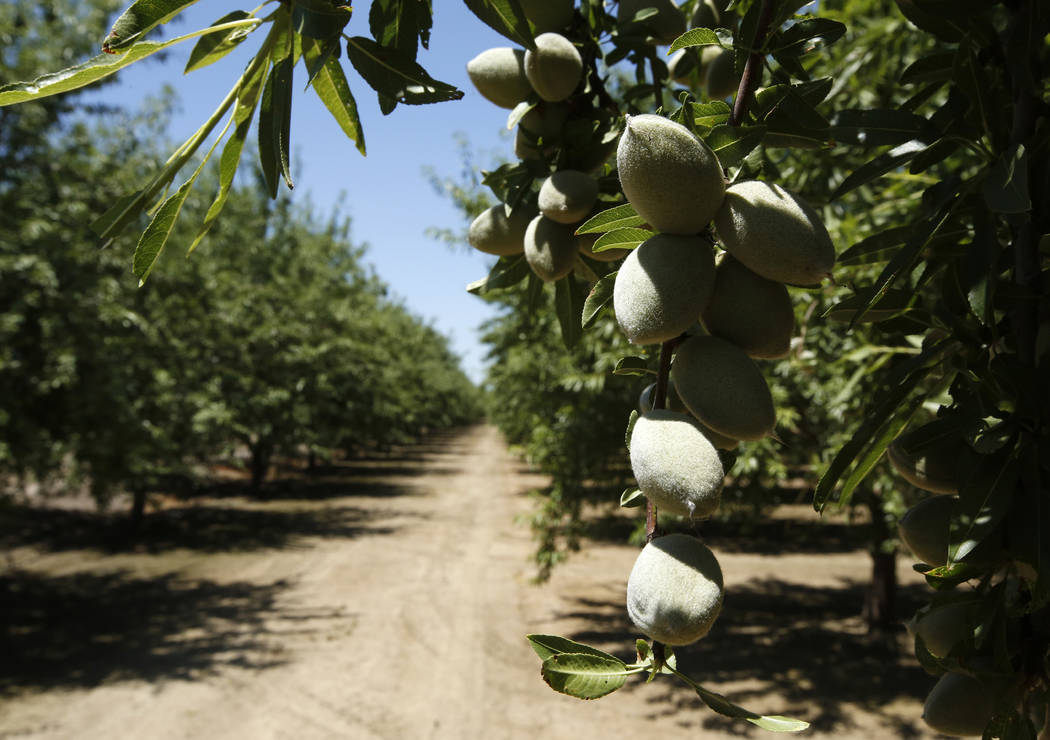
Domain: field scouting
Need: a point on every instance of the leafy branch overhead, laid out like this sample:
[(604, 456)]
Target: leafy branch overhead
[(310, 34)]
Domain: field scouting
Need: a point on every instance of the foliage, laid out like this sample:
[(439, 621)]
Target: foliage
[(276, 339), (923, 140), (307, 31)]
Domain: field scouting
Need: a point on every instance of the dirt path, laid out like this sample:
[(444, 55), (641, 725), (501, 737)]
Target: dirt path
[(390, 601)]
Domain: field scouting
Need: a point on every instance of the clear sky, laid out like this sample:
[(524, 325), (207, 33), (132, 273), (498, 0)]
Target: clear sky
[(386, 194)]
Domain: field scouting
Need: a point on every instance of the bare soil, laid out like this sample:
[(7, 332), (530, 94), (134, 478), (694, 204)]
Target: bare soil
[(388, 597)]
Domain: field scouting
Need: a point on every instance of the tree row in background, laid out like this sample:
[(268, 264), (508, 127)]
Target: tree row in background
[(275, 339)]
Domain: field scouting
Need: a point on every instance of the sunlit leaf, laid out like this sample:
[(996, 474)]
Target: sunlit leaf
[(141, 17), (695, 37), (733, 143), (618, 217), (583, 675), (215, 46), (547, 645), (599, 297), (621, 239), (331, 86), (79, 75), (632, 498), (632, 366)]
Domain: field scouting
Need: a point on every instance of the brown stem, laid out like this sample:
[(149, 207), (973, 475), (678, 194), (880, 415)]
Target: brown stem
[(752, 70), (659, 402)]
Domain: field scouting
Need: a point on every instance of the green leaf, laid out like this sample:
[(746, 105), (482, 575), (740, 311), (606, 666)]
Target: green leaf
[(949, 576), (79, 75), (215, 46), (709, 115), (877, 126), (506, 272), (319, 19), (733, 143), (331, 86), (155, 237), (631, 421), (599, 297), (873, 246), (268, 158), (936, 67), (632, 498), (774, 723), (632, 366), (805, 37), (231, 152), (876, 168), (506, 18), (859, 309), (892, 400), (984, 501), (568, 303), (618, 217), (120, 214), (141, 17), (547, 645), (583, 675), (395, 76), (282, 114), (398, 24), (621, 239), (1005, 190), (695, 37), (905, 257)]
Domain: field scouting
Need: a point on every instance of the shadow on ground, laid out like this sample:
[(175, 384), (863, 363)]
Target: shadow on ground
[(225, 515), (760, 535), (784, 648), (82, 630), (204, 528)]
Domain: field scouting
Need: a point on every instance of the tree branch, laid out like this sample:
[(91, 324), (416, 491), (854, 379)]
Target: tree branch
[(752, 69)]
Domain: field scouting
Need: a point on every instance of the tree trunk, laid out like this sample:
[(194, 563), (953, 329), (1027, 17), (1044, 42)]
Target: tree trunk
[(261, 453), (880, 603)]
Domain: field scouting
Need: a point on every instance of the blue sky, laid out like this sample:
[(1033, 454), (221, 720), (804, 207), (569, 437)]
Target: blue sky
[(386, 194)]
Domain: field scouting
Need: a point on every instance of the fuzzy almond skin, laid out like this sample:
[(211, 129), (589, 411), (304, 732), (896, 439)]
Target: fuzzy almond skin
[(663, 286), (750, 311), (924, 529), (668, 24), (554, 68), (936, 468), (943, 627), (548, 15), (671, 177), (568, 196), (550, 248), (675, 590), (721, 78), (499, 75), (723, 388), (775, 234), (958, 706), (675, 465), (494, 232)]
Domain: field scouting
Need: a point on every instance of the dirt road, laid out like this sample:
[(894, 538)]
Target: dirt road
[(389, 599)]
